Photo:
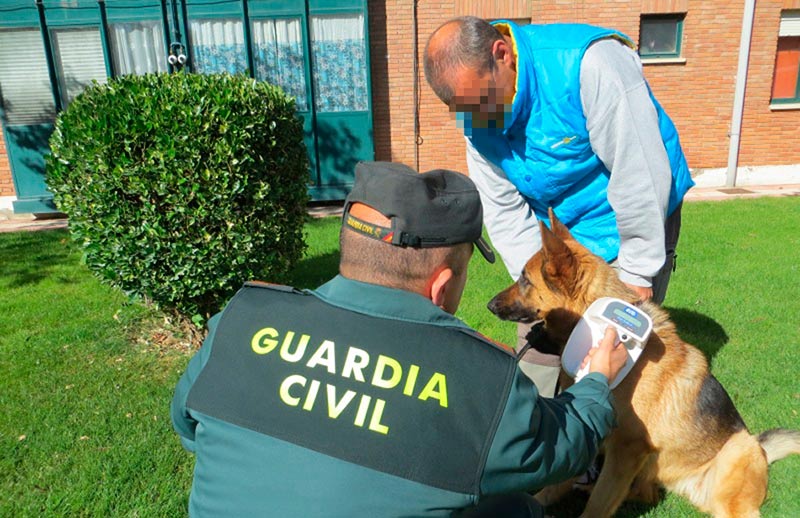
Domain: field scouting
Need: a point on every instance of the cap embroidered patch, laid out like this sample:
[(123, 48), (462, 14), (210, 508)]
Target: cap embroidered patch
[(369, 229)]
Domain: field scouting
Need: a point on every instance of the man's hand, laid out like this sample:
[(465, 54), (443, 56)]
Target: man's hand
[(608, 357), (644, 292)]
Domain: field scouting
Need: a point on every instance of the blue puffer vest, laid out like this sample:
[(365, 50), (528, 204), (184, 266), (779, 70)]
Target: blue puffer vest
[(544, 148)]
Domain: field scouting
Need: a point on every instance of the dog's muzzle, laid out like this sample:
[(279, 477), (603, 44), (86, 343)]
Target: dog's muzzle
[(514, 312)]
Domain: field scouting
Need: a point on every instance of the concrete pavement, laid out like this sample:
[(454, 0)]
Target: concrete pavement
[(10, 222)]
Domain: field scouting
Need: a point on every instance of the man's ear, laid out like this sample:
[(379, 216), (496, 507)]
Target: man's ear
[(501, 51), (560, 264), (438, 285)]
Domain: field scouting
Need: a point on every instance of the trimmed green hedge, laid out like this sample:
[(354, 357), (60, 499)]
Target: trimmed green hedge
[(180, 187)]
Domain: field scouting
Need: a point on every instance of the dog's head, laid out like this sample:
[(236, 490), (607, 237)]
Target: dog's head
[(561, 280)]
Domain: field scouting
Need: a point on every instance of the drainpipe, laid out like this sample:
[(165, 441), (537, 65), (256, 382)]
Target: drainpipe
[(415, 66), (48, 52), (165, 22), (738, 96)]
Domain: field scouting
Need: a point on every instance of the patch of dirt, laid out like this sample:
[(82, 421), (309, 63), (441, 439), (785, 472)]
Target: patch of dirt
[(166, 332)]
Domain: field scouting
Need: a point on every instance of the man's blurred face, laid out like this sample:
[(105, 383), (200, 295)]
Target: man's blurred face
[(484, 99)]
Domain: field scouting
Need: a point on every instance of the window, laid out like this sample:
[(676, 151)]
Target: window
[(518, 21), (218, 46), (278, 56), (660, 35), (79, 60), (339, 63), (786, 79), (25, 92), (138, 48)]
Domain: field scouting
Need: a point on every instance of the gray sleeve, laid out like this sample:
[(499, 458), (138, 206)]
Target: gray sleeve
[(624, 133), (509, 220)]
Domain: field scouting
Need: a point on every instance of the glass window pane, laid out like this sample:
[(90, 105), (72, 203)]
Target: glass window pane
[(339, 63), (27, 97), (659, 36), (79, 60), (138, 48), (278, 56), (218, 46), (787, 68)]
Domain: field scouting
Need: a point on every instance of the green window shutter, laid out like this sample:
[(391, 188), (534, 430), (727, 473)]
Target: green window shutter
[(79, 60), (24, 80)]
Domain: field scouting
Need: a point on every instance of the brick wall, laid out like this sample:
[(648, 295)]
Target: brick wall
[(391, 25), (768, 136), (6, 183), (698, 94)]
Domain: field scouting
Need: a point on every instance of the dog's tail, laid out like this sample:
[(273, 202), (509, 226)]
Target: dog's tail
[(779, 442)]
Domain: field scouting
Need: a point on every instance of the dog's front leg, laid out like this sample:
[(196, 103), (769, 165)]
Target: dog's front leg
[(645, 488), (622, 463), (552, 494)]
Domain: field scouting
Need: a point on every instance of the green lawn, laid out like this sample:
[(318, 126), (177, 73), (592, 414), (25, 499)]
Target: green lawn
[(84, 422)]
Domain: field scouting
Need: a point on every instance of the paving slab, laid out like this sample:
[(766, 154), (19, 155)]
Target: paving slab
[(10, 222)]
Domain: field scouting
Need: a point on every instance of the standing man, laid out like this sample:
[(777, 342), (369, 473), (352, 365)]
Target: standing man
[(561, 116), (367, 397)]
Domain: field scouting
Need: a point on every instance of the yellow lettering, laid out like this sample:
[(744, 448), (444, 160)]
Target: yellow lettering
[(335, 408), (413, 372), (287, 398), (261, 344), (299, 351), (311, 397), (397, 372), (361, 413), (324, 355), (356, 361), (436, 389), (377, 412)]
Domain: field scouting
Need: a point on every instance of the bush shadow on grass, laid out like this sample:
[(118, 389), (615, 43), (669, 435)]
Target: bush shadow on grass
[(574, 502), (314, 271), (30, 257), (699, 330)]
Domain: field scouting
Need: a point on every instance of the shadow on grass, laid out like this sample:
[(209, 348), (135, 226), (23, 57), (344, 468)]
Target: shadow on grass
[(575, 501), (699, 330), (31, 257), (313, 271)]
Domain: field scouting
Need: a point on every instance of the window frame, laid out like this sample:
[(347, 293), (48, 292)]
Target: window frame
[(784, 101), (63, 87), (679, 18)]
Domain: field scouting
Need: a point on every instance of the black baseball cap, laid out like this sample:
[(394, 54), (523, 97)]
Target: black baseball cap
[(431, 209)]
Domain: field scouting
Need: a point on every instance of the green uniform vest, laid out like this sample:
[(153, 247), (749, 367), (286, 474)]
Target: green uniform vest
[(420, 401)]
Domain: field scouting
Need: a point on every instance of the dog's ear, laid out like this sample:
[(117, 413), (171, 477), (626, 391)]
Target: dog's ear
[(557, 227), (560, 265)]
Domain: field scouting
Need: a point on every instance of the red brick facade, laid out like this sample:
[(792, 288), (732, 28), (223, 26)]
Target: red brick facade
[(697, 93), (6, 184)]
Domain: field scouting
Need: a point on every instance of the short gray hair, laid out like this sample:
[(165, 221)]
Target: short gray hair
[(471, 47), (371, 260)]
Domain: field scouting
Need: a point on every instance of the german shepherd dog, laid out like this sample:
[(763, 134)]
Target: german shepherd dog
[(677, 426)]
